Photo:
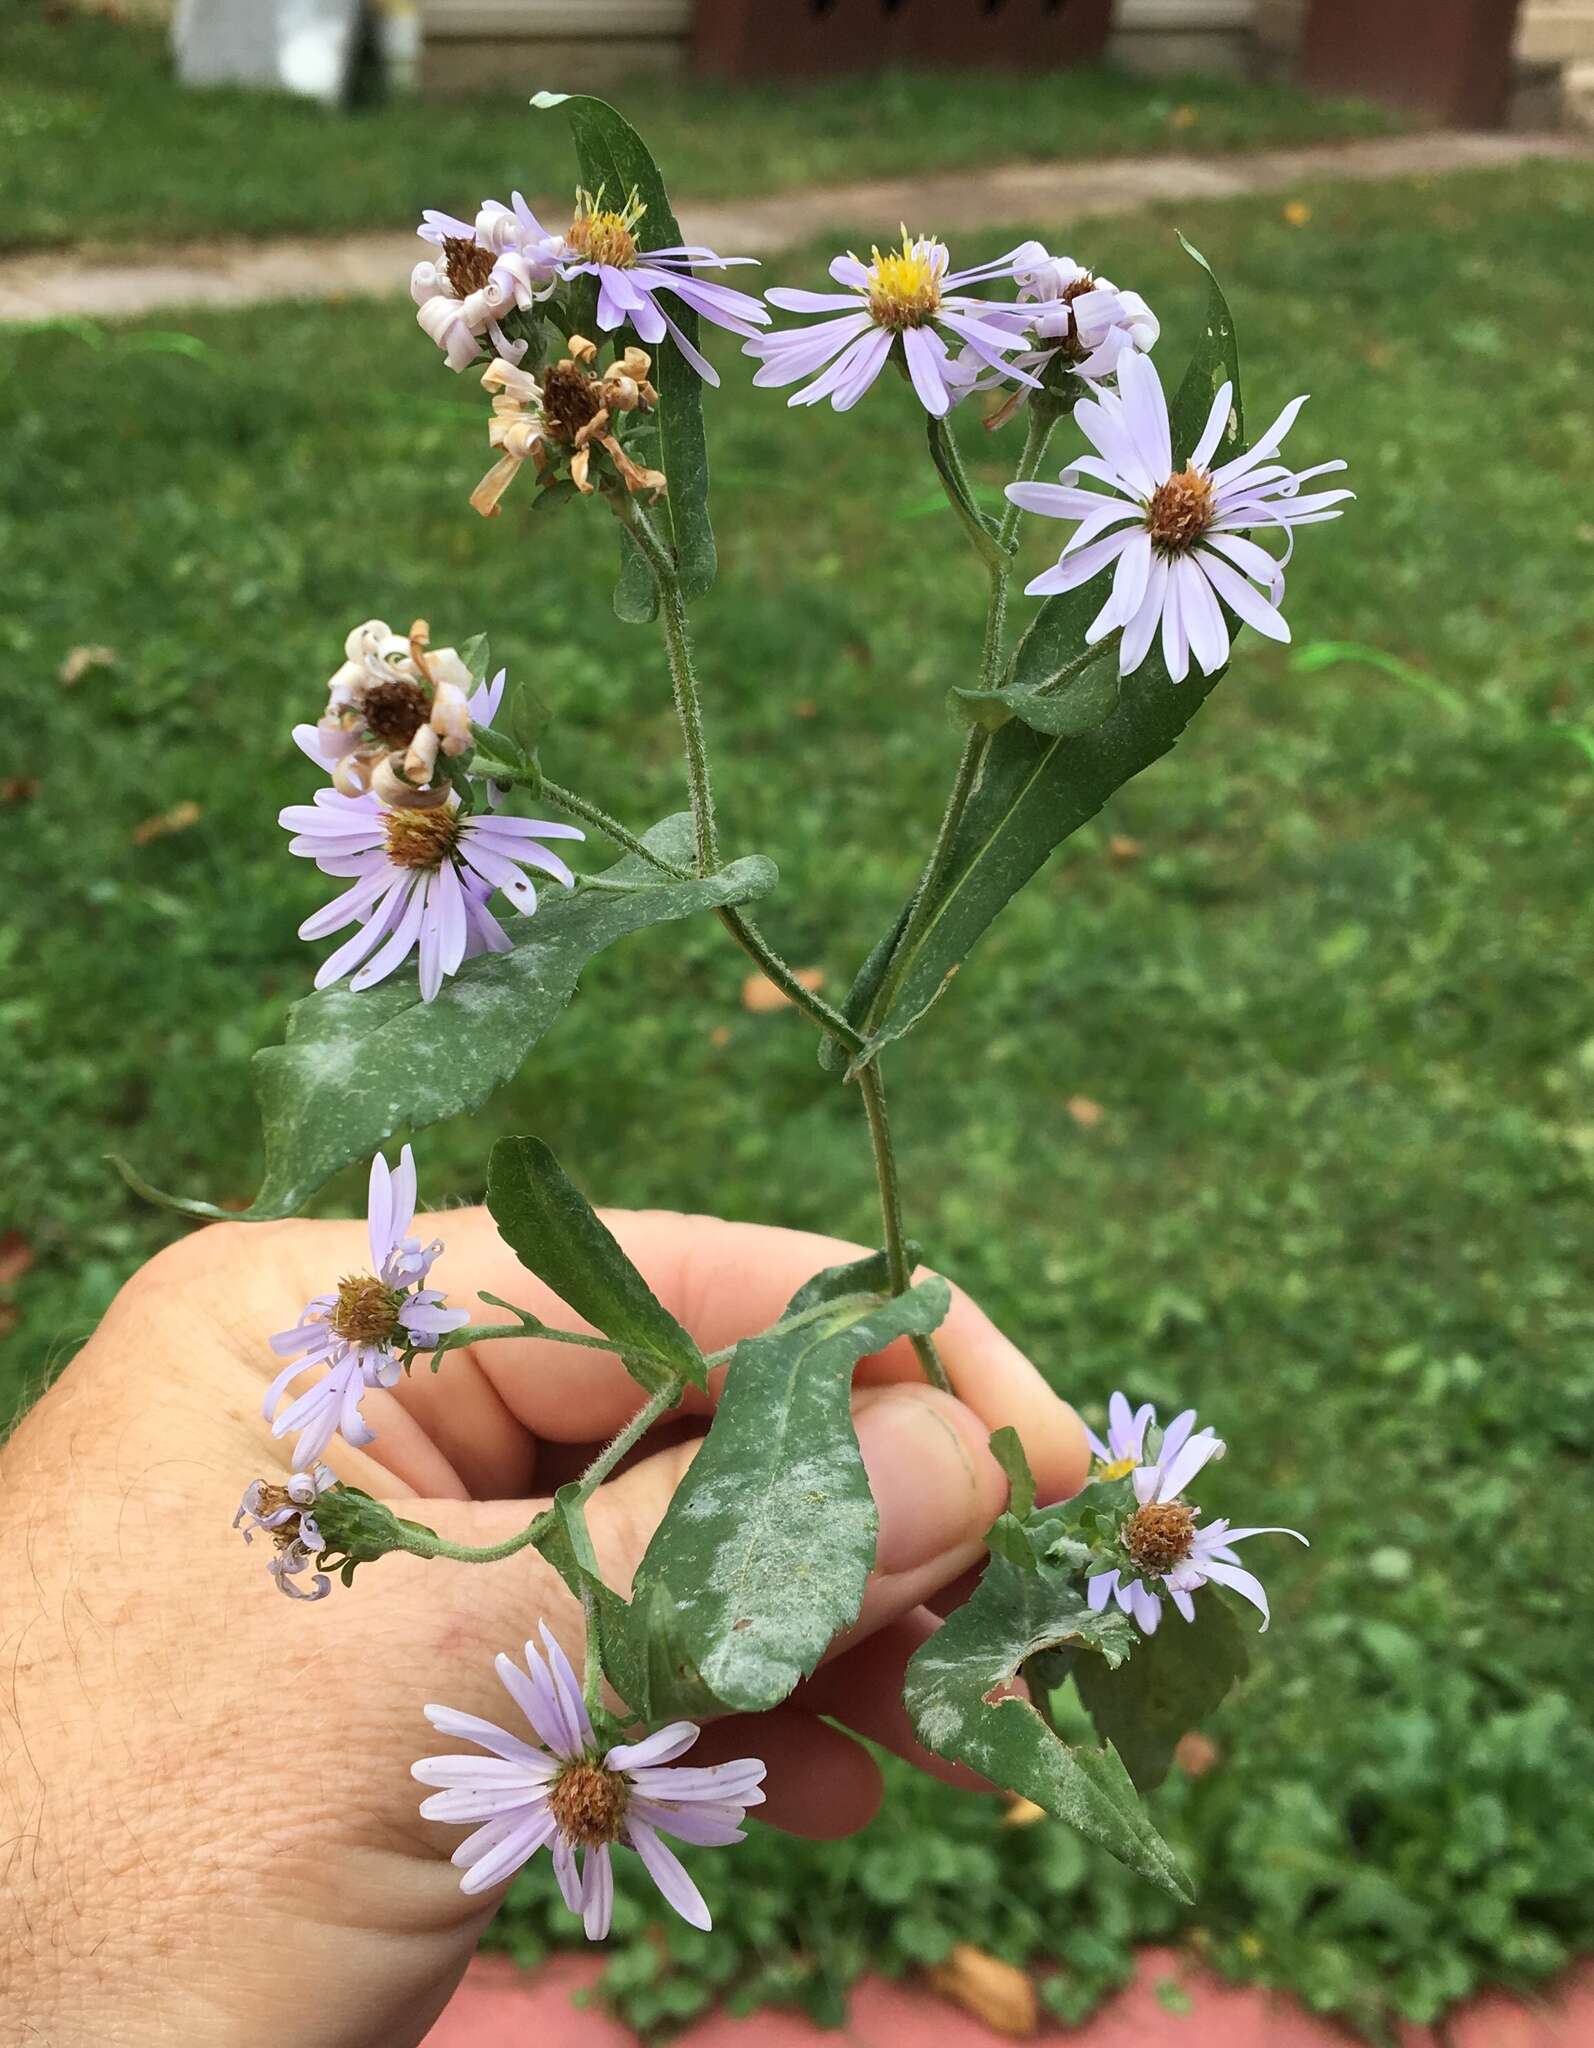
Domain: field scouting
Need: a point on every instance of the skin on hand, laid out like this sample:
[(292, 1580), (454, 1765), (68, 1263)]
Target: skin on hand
[(207, 1823)]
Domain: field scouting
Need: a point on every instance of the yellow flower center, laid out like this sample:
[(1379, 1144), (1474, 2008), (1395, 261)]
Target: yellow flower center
[(1180, 511), (1120, 1468), (589, 1803), (601, 234), (905, 283), (421, 839)]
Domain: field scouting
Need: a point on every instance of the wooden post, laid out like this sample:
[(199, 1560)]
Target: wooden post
[(1451, 58)]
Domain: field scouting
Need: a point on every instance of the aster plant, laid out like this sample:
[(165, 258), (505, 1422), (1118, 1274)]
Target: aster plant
[(457, 965)]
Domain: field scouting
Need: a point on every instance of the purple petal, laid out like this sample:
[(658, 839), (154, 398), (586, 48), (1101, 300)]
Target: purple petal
[(666, 1870), (661, 1747)]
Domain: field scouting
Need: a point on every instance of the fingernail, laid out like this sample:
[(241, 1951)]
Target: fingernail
[(931, 1472)]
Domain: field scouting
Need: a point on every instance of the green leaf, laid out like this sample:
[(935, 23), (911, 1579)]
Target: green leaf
[(1216, 362), (568, 1548), (954, 481), (357, 1068), (834, 1057), (1036, 787), (477, 657), (1014, 1615), (1171, 1683), (765, 1550), (1076, 695), (613, 155), (1007, 1448), (555, 1233)]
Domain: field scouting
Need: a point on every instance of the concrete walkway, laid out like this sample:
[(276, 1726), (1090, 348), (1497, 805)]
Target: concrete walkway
[(35, 288)]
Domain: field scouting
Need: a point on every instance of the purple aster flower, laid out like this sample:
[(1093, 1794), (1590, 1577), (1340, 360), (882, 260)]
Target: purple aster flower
[(421, 875), (907, 296), (395, 695), (359, 1330), (503, 262), (1179, 539), (1065, 311), (602, 244), (565, 1793), (1126, 1437), (284, 1514), (1166, 1551)]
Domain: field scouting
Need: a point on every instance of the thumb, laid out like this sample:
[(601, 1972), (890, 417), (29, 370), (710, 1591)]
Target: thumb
[(935, 1484)]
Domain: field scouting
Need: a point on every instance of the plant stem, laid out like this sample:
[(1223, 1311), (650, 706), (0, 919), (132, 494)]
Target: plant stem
[(885, 1167), (425, 1544), (611, 828), (1041, 418), (688, 705), (757, 947)]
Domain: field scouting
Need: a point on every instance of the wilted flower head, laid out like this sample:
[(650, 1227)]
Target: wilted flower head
[(359, 1329), (1163, 1548), (602, 243), (906, 299), (1180, 540), (568, 1794), (1071, 319), (284, 1513), (502, 262), (569, 413), (396, 699)]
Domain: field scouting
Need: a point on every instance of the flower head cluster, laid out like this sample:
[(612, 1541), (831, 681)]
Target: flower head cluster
[(567, 415), (1163, 1549), (358, 1330), (907, 301), (1177, 540), (285, 1514), (1072, 320), (505, 262), (567, 1794), (393, 706)]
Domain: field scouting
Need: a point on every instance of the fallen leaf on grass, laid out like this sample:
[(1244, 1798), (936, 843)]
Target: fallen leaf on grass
[(16, 1256), (19, 789), (1086, 1114), (993, 1991), (164, 823), (762, 997), (1121, 849), (1196, 1754), (81, 660), (1296, 213)]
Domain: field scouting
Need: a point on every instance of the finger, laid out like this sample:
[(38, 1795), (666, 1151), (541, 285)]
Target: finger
[(935, 1484), (821, 1784), (863, 1690), (725, 1281)]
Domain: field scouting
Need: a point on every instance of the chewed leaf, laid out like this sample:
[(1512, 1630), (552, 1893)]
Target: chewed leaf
[(1216, 362), (766, 1547), (555, 1233), (960, 1710), (612, 155), (357, 1068)]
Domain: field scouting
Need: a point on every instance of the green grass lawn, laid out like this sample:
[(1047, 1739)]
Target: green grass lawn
[(98, 145), (1335, 1009)]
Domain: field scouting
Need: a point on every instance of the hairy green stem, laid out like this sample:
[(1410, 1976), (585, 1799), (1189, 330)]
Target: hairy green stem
[(611, 828), (898, 1264)]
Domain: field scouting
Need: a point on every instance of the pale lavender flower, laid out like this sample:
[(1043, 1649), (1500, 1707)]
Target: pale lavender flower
[(1062, 309), (359, 1330), (602, 244), (420, 880), (284, 1513), (566, 1794), (907, 296), (503, 262), (1126, 1436), (1179, 539), (1167, 1552)]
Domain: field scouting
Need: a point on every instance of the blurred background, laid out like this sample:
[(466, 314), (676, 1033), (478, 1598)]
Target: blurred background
[(1275, 1093)]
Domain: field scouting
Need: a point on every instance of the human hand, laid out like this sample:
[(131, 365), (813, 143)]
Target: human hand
[(210, 1828)]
